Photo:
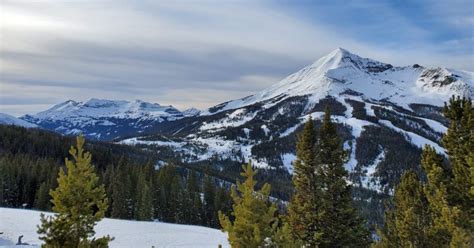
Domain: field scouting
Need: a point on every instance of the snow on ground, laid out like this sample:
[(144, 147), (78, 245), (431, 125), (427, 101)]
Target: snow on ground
[(234, 119), (290, 130), (288, 159), (436, 126), (414, 138), (137, 141), (369, 181), (16, 222), (352, 162)]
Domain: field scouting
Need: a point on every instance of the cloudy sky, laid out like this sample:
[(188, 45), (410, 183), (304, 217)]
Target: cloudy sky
[(200, 53)]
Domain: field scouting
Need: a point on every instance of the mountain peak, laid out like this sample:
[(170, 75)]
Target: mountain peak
[(342, 71), (341, 51)]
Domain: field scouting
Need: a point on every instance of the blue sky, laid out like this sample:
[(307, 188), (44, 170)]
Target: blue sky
[(200, 53)]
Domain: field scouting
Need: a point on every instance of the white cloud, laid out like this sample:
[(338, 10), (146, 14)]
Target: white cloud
[(184, 53)]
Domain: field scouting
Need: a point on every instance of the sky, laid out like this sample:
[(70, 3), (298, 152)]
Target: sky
[(190, 53)]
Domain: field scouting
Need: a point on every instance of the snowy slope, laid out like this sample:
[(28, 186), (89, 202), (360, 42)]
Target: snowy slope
[(16, 222), (341, 70), (12, 120)]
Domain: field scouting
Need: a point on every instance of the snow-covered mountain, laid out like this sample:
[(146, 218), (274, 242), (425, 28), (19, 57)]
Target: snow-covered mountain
[(103, 119), (340, 71), (385, 113), (6, 119)]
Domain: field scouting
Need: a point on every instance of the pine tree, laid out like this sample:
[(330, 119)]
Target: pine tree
[(198, 215), (42, 197), (435, 189), (193, 199), (144, 204), (176, 206), (303, 208), (79, 202), (254, 216), (321, 211), (388, 235), (412, 216), (121, 192), (210, 212), (459, 144), (283, 237)]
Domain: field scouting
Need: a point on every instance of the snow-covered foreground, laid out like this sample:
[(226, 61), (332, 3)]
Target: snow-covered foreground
[(16, 222)]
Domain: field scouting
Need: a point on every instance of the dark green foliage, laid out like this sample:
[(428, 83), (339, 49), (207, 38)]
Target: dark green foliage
[(410, 217), (459, 143), (135, 189), (321, 213)]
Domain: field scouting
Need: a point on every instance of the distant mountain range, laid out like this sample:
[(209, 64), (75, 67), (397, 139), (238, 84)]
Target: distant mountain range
[(104, 119)]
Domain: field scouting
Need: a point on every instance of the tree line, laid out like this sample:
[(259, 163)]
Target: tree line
[(135, 188)]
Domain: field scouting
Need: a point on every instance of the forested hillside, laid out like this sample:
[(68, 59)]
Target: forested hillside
[(136, 187)]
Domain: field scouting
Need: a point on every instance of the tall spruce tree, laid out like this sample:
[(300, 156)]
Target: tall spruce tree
[(303, 209), (144, 198), (435, 190), (209, 191), (121, 192), (412, 217), (321, 211), (79, 202), (254, 220), (459, 144), (450, 200)]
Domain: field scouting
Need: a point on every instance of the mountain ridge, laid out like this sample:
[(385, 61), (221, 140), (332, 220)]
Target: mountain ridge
[(103, 119), (341, 70)]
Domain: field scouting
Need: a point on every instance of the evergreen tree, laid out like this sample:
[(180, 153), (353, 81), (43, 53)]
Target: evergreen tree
[(198, 214), (321, 211), (388, 236), (459, 144), (209, 191), (303, 208), (42, 197), (175, 200), (195, 203), (412, 217), (435, 189), (121, 196), (283, 237), (79, 202), (254, 217), (144, 204)]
